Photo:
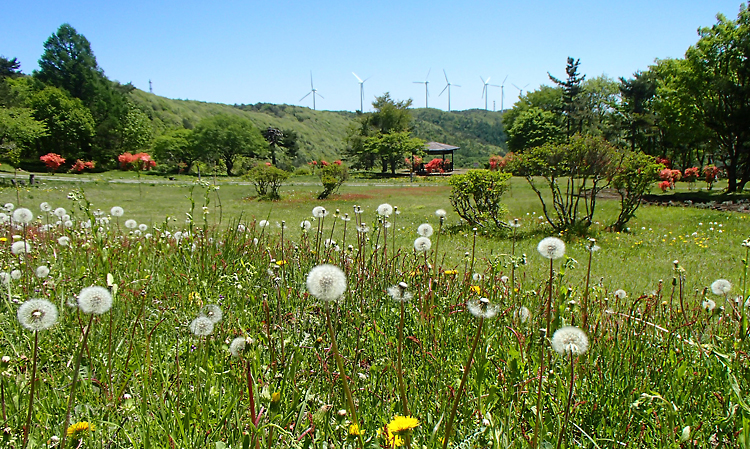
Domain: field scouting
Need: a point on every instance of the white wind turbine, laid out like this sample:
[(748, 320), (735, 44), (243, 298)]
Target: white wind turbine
[(448, 86), (426, 91), (520, 90), (361, 92), (502, 94), (486, 91), (313, 91)]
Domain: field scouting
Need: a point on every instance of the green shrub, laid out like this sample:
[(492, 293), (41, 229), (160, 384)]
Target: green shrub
[(476, 196), (302, 171), (267, 180), (633, 179), (332, 176)]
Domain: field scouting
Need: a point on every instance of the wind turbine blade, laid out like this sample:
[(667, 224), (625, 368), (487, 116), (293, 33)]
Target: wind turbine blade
[(484, 89), (366, 79), (525, 86), (308, 94), (488, 80), (495, 85), (358, 78), (316, 93), (444, 88), (428, 74), (506, 79), (418, 82), (455, 85), (311, 83), (446, 77), (483, 82), (516, 86)]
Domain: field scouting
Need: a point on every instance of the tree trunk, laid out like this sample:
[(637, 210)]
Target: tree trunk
[(230, 164)]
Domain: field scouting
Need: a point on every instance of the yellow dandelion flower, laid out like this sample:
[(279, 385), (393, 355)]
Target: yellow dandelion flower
[(391, 440), (475, 289), (354, 430), (80, 429), (281, 262), (450, 272), (3, 239), (402, 424), (194, 296)]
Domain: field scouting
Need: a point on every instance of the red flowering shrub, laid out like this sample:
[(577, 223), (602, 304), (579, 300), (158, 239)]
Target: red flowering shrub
[(665, 185), (710, 175), (53, 161), (80, 166), (691, 174), (664, 161), (435, 165), (138, 161), (670, 176)]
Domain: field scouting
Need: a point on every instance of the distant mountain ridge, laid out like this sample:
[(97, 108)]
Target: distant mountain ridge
[(322, 134)]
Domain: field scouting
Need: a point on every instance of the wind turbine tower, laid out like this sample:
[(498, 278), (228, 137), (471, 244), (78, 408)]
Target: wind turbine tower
[(486, 91), (502, 94), (520, 90), (426, 91), (448, 86), (361, 92), (313, 91)]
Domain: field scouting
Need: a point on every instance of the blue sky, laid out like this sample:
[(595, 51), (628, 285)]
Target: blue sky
[(251, 51)]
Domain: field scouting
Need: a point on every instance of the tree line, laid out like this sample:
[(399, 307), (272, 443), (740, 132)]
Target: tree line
[(691, 111), (69, 108)]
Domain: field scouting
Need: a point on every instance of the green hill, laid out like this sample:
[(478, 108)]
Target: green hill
[(322, 134)]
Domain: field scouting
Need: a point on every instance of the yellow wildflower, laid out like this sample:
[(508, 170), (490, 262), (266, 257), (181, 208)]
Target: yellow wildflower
[(354, 430), (451, 272), (391, 440), (3, 239), (475, 289), (400, 425), (80, 429), (281, 262)]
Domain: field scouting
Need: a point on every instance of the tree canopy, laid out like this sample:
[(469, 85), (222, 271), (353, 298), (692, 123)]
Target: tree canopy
[(226, 137)]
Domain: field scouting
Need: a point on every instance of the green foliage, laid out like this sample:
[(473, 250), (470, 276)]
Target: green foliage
[(267, 180), (393, 147), (572, 107), (574, 173), (174, 151), (632, 179), (333, 177), (302, 171), (476, 195), (19, 131), (69, 124), (136, 130), (226, 137), (532, 128)]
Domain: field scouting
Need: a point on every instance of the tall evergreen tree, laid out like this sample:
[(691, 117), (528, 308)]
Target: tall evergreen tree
[(571, 88)]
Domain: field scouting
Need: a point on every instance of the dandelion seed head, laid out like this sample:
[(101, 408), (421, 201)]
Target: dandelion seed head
[(37, 314), (45, 207), (20, 247), (94, 300), (482, 308), (264, 223), (522, 314), (621, 294), (63, 241), (143, 227), (60, 212), (305, 225), (326, 282), (385, 210), (9, 206), (212, 312), (551, 248), (237, 346), (422, 244), (477, 277), (4, 278), (514, 223), (399, 293), (709, 305), (570, 340), (319, 212), (117, 211), (41, 271), (425, 230), (15, 275), (202, 326), (441, 213), (721, 287), (131, 224)]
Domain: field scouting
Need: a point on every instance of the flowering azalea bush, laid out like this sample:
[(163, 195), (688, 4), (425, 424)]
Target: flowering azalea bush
[(80, 166), (710, 175), (137, 161), (691, 174), (665, 185), (435, 165), (499, 162), (670, 176), (53, 161), (664, 161)]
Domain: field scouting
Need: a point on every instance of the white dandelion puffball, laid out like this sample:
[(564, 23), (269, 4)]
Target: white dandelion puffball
[(441, 213), (15, 275), (37, 314), (212, 312), (131, 224), (482, 308), (721, 287), (385, 210), (45, 207), (41, 271), (522, 314), (4, 277), (94, 300), (305, 225), (143, 227), (68, 224), (264, 223), (319, 212), (4, 217), (709, 305), (620, 294), (422, 244), (60, 212), (241, 228), (9, 206), (514, 223), (237, 346), (63, 241), (202, 326), (117, 211), (20, 247), (326, 282), (398, 292), (570, 340), (425, 230), (551, 248), (22, 215)]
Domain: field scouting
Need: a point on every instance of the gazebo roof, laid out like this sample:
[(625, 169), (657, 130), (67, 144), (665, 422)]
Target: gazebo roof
[(439, 148)]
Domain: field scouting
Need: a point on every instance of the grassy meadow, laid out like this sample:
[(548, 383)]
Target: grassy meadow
[(666, 366)]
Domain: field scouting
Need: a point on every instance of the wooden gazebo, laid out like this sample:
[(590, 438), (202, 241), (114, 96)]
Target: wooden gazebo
[(434, 149)]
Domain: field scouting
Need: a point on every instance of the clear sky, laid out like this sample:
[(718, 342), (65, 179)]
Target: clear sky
[(263, 51)]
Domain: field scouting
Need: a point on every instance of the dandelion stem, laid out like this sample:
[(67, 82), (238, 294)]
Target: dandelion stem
[(77, 368), (27, 427), (570, 399), (344, 382), (467, 368), (401, 386), (585, 301)]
